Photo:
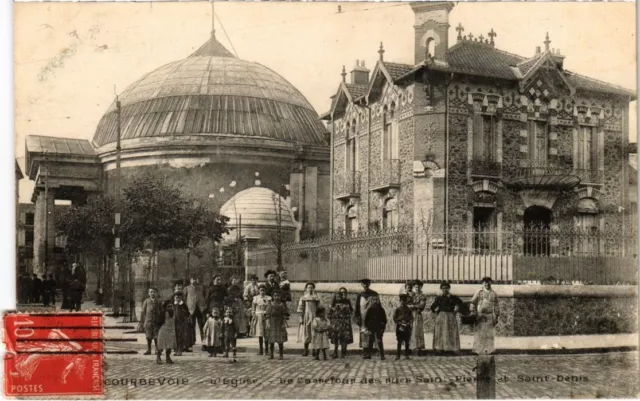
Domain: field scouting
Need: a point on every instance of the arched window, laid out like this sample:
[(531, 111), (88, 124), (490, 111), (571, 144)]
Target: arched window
[(431, 47), (390, 214)]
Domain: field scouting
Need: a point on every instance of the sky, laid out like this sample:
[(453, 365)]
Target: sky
[(71, 58)]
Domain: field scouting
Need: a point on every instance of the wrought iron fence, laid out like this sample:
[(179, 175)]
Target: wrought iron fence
[(461, 256)]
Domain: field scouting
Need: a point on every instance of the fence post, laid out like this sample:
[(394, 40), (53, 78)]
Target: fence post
[(485, 377)]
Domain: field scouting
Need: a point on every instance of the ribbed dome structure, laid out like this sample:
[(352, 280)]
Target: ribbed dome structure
[(257, 207), (212, 92)]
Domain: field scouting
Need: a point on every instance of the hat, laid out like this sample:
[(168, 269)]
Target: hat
[(253, 277), (268, 272), (445, 284), (178, 293), (418, 283), (365, 281), (260, 286)]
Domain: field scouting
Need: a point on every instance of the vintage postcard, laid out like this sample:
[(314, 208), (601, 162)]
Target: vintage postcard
[(326, 200)]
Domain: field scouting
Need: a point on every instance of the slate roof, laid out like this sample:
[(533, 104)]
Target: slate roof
[(61, 146), (482, 59), (356, 90), (396, 70), (212, 92)]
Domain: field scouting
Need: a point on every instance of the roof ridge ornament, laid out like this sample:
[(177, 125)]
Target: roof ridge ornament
[(547, 42), (460, 29), (381, 52), (344, 74), (492, 34)]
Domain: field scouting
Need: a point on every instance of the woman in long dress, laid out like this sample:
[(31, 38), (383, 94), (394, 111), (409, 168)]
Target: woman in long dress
[(446, 337), (259, 323), (417, 306), (307, 307), (236, 295), (340, 317), (485, 305)]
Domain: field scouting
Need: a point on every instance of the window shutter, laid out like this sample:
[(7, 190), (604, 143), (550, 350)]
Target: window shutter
[(594, 149), (395, 145), (478, 140)]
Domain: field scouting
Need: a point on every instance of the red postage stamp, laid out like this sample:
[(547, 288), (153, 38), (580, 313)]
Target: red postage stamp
[(53, 354)]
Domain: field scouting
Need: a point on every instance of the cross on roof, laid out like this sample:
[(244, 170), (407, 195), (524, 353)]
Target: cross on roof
[(481, 38), (492, 34), (460, 29), (470, 36)]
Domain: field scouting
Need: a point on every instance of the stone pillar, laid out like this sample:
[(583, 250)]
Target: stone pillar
[(40, 255), (310, 198)]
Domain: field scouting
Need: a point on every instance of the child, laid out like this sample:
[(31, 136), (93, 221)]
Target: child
[(277, 315), (149, 319), (375, 322), (403, 318), (230, 333), (213, 333), (260, 303), (320, 335)]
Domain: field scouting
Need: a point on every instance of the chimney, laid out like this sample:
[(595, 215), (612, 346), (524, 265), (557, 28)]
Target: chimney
[(360, 74), (431, 30)]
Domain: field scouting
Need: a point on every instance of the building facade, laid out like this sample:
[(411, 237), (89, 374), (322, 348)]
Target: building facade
[(212, 124), (475, 139)]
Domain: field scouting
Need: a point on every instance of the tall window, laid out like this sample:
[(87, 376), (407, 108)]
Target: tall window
[(390, 214), (485, 144), (352, 148), (29, 219), (586, 149), (538, 143), (587, 238), (390, 141)]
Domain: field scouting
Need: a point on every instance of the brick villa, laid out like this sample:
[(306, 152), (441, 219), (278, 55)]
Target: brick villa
[(473, 138)]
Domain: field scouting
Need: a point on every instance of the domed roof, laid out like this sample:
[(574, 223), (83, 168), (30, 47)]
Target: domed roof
[(212, 92), (258, 207)]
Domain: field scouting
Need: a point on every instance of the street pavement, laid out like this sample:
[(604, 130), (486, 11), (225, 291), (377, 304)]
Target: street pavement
[(196, 376)]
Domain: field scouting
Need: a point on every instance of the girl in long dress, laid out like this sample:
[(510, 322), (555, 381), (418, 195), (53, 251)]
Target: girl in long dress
[(149, 319), (485, 305), (446, 337), (213, 333), (307, 307), (417, 306), (236, 296), (167, 333), (277, 315), (258, 324), (340, 317), (320, 337)]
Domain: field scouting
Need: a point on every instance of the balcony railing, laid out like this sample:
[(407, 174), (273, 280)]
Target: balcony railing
[(542, 174), (386, 176), (589, 176), (347, 184), (486, 167)]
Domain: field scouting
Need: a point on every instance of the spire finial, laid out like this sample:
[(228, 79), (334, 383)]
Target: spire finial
[(344, 74), (460, 29), (492, 34), (381, 52), (547, 42), (213, 20)]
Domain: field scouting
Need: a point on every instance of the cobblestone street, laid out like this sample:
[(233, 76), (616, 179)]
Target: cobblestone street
[(613, 375)]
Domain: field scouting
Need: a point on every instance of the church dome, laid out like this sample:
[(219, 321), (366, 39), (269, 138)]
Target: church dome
[(212, 92), (257, 208)]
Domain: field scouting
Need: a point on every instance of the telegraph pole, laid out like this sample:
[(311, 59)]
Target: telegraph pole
[(116, 230)]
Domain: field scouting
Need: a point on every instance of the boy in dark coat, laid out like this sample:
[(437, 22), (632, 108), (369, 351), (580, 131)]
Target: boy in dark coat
[(403, 318), (229, 333), (375, 321)]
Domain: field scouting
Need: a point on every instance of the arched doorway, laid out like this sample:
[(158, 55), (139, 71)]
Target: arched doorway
[(537, 226)]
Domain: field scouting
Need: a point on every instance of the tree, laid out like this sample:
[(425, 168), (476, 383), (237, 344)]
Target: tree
[(87, 230)]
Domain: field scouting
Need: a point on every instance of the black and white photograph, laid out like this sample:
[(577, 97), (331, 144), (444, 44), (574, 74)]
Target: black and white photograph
[(326, 200)]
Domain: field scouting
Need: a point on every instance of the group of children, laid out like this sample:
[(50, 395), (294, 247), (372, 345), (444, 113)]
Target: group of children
[(171, 326)]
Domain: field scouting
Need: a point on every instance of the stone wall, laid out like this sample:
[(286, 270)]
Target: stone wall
[(524, 310)]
